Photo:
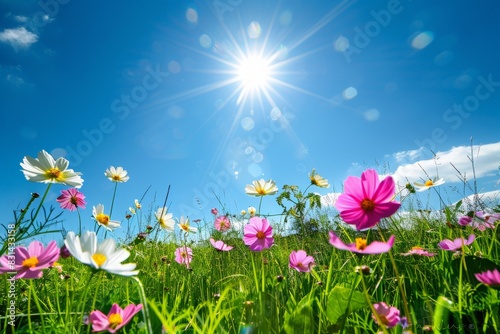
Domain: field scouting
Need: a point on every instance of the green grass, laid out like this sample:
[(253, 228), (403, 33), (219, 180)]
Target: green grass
[(245, 292)]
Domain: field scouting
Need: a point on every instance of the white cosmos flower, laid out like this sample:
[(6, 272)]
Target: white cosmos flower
[(103, 256), (103, 219), (185, 226), (428, 184), (117, 174), (47, 170), (261, 188), (165, 219)]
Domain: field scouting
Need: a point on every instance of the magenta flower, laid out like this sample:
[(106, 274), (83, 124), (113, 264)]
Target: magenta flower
[(481, 220), (222, 223), (418, 251), (489, 277), (388, 315), (361, 246), (116, 318), (456, 244), (214, 211), (71, 199), (29, 262), (220, 245), (258, 234), (366, 200), (184, 255), (300, 261)]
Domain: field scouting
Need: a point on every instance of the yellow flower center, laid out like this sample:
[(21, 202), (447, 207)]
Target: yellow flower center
[(114, 320), (429, 183), (102, 218), (99, 259), (116, 177), (30, 262), (185, 227), (416, 248), (54, 173), (367, 205), (360, 243), (74, 200), (261, 235)]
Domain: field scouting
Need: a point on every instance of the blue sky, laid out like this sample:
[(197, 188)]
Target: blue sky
[(161, 88)]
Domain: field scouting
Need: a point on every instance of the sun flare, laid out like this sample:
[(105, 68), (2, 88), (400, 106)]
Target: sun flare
[(253, 72)]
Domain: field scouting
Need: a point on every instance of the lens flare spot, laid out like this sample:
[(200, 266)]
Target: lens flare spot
[(422, 40), (349, 93), (192, 15), (254, 30), (247, 123)]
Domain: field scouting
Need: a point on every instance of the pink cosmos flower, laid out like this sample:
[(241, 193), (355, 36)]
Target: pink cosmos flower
[(71, 199), (456, 244), (258, 234), (418, 251), (360, 246), (220, 245), (214, 211), (481, 220), (300, 261), (366, 200), (388, 315), (489, 277), (184, 255), (222, 223), (116, 318), (29, 262)]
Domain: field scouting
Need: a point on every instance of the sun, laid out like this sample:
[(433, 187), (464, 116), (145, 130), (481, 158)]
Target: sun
[(253, 72)]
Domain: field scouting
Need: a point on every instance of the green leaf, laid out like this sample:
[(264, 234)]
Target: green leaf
[(301, 319), (339, 304)]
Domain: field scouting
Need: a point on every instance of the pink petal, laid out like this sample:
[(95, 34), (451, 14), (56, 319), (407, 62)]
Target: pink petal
[(369, 183)]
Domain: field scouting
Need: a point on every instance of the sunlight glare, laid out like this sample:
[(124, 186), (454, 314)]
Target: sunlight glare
[(253, 73)]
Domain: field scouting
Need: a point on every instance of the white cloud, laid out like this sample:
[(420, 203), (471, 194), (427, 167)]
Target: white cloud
[(20, 18), (15, 80), (18, 37), (408, 156), (486, 163), (489, 198)]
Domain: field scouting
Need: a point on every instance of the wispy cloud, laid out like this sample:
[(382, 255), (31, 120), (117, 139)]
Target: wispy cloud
[(18, 38), (486, 163)]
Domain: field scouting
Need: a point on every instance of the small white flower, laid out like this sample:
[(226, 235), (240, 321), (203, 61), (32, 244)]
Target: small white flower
[(184, 225), (103, 256), (428, 184), (117, 174), (165, 219), (103, 219)]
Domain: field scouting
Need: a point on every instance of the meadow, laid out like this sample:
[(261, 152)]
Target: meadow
[(374, 262)]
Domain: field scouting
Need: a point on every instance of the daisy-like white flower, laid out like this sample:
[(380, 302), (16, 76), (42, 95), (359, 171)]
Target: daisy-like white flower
[(428, 184), (185, 225), (47, 170), (116, 318), (251, 211), (137, 204), (243, 212), (165, 219), (318, 180), (117, 174), (103, 219), (103, 256), (220, 245), (261, 188)]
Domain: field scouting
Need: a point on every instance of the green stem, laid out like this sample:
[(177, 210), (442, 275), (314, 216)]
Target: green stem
[(144, 301), (41, 203), (113, 201), (260, 203), (79, 220), (37, 302)]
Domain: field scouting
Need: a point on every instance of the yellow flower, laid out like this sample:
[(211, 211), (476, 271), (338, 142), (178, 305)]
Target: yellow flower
[(261, 188), (318, 180), (103, 219)]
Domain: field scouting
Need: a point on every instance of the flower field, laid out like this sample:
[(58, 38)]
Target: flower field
[(365, 266)]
